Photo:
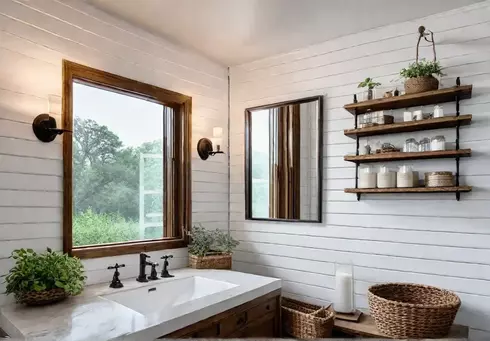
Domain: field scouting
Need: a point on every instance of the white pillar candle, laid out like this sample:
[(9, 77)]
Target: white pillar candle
[(344, 297)]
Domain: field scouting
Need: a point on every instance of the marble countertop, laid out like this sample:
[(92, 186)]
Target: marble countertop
[(90, 317)]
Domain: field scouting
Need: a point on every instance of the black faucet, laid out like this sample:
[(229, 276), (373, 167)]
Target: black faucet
[(153, 274), (116, 282), (143, 264), (165, 273)]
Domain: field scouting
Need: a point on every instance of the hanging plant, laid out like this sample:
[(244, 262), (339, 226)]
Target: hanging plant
[(420, 74)]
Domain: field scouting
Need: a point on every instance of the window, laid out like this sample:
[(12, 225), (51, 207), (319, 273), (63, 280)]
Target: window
[(126, 165)]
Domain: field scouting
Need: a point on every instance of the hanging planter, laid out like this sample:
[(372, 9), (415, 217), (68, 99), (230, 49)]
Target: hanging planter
[(420, 75)]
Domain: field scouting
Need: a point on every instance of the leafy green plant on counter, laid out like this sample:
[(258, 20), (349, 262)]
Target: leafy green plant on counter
[(205, 241), (44, 271), (423, 68), (368, 83)]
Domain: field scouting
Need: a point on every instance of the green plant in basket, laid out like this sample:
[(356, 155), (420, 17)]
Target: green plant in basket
[(204, 242), (423, 68), (42, 272)]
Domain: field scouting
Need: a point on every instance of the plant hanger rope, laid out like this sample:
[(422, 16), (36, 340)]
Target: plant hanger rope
[(423, 34)]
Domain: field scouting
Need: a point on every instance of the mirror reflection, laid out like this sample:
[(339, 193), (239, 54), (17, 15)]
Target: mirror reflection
[(283, 161)]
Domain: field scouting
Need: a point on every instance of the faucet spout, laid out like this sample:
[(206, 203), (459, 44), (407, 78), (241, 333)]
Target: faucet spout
[(143, 263)]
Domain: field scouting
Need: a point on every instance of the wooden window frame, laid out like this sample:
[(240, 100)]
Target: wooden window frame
[(182, 106)]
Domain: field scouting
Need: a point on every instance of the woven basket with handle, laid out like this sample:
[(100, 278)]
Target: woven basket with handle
[(213, 261), (306, 321), (425, 83), (42, 297), (402, 310)]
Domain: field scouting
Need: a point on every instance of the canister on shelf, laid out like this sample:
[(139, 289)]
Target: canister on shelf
[(405, 177), (438, 143), (438, 111), (407, 116), (411, 145), (367, 177), (386, 178), (424, 145)]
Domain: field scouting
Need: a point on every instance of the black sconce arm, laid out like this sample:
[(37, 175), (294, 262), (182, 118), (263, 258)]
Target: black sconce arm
[(44, 127)]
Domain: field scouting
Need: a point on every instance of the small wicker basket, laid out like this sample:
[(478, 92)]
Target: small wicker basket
[(212, 261), (421, 84), (405, 311), (306, 321), (38, 298)]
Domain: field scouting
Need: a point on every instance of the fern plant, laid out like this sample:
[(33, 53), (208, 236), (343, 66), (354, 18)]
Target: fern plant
[(423, 68), (205, 241)]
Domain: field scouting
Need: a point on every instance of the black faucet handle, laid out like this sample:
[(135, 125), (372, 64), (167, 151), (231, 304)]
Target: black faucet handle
[(154, 264), (116, 266), (166, 257)]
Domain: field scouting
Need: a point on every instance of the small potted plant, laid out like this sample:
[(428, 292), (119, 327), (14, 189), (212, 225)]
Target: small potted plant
[(420, 75), (210, 249), (44, 278), (370, 84)]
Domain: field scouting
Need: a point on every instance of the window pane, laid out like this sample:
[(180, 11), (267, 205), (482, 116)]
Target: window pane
[(118, 168)]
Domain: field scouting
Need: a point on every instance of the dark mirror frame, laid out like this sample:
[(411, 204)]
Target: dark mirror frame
[(248, 159)]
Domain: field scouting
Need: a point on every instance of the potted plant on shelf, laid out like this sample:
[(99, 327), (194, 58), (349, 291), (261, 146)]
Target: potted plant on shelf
[(370, 84), (210, 249), (44, 278), (420, 74)]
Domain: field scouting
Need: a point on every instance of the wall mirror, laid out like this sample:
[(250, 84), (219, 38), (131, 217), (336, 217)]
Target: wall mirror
[(283, 161)]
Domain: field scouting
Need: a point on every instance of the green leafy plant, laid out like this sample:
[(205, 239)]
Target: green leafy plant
[(44, 271), (368, 83), (423, 68), (205, 241)]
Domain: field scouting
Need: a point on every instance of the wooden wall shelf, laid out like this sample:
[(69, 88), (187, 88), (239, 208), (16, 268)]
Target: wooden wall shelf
[(453, 189), (404, 127), (412, 100), (398, 156)]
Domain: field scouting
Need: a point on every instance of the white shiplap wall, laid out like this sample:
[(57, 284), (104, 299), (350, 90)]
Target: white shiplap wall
[(430, 239), (34, 38)]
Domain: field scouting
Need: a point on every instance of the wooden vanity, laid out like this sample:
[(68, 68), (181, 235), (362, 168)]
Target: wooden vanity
[(257, 318)]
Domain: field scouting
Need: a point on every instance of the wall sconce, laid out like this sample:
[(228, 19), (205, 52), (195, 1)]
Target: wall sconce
[(44, 126), (205, 146)]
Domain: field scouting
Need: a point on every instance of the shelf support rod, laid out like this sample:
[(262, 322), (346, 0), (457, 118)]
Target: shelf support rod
[(458, 194), (358, 195)]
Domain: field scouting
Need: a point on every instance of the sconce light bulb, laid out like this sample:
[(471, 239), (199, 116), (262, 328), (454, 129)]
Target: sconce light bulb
[(217, 132)]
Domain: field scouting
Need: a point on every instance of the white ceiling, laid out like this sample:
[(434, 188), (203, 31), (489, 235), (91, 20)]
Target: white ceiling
[(232, 32)]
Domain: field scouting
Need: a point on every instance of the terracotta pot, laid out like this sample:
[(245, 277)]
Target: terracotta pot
[(421, 84)]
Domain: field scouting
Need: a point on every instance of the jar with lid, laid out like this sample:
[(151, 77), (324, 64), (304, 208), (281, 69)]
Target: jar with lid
[(424, 145), (410, 146), (367, 177), (438, 143), (438, 111), (405, 177), (386, 178)]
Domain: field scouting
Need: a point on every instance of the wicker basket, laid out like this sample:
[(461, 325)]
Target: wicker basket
[(421, 84), (214, 261), (306, 321), (402, 310), (35, 298)]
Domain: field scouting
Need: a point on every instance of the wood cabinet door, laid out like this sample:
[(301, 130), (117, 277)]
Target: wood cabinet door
[(261, 328)]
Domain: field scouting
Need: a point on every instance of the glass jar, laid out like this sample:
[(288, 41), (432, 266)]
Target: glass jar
[(438, 111), (438, 143), (386, 178), (367, 177), (410, 146), (405, 177), (424, 145)]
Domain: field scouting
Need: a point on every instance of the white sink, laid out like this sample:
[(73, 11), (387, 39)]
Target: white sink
[(156, 297)]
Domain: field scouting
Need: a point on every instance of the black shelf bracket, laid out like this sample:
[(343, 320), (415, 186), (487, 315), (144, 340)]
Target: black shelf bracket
[(358, 195), (457, 99)]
